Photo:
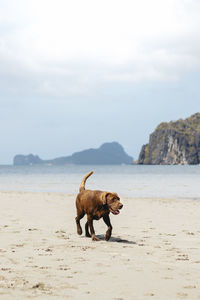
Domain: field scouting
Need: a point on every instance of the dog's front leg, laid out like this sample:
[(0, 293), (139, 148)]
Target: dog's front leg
[(106, 219), (90, 223)]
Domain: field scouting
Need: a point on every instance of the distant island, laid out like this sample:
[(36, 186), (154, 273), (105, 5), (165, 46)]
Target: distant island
[(107, 154), (176, 142)]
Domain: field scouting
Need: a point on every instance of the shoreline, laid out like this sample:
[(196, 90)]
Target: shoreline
[(67, 194), (153, 252)]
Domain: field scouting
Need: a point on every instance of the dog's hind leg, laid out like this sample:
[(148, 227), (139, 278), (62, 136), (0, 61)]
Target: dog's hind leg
[(90, 223), (80, 215), (87, 230), (106, 219)]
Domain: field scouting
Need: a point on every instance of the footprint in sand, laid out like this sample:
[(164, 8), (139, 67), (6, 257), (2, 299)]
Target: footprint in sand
[(188, 232), (48, 250), (81, 259), (171, 234), (61, 234), (182, 257), (62, 231), (171, 249), (41, 286), (34, 266), (64, 268), (2, 278), (2, 251), (150, 253), (19, 245), (44, 268), (182, 295), (59, 259), (150, 294), (6, 270)]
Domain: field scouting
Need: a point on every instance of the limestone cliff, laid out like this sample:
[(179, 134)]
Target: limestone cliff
[(176, 142)]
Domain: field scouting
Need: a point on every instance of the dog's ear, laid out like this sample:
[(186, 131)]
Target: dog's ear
[(104, 197), (115, 194)]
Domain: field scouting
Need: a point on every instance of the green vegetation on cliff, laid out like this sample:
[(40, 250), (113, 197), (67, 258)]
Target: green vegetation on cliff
[(187, 126)]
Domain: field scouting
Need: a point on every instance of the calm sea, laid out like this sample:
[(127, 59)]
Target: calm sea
[(127, 180)]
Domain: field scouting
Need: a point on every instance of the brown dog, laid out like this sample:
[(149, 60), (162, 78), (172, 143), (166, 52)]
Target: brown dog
[(96, 204)]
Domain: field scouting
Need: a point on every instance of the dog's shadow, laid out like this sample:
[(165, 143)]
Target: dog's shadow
[(116, 240)]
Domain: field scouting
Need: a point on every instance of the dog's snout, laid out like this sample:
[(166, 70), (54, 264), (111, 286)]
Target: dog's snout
[(120, 206)]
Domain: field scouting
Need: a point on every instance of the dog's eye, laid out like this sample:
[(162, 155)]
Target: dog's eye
[(114, 199)]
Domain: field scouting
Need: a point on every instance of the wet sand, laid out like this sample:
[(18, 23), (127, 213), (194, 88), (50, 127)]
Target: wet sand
[(153, 252)]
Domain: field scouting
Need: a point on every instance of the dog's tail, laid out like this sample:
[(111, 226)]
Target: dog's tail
[(82, 186)]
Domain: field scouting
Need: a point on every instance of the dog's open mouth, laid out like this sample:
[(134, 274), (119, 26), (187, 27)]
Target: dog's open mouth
[(114, 212)]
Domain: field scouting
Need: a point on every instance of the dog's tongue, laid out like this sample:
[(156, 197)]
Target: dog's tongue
[(115, 212)]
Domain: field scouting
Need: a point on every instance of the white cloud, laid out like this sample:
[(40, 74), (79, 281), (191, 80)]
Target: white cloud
[(67, 47)]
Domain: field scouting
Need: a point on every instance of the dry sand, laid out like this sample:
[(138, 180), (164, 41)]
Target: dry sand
[(153, 253)]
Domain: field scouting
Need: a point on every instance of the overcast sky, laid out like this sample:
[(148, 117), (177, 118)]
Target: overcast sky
[(75, 74)]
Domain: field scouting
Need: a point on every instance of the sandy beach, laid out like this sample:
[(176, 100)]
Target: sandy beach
[(153, 252)]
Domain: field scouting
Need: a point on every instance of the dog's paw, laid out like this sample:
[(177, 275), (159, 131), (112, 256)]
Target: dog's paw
[(108, 234), (94, 238), (87, 235), (107, 237), (79, 230)]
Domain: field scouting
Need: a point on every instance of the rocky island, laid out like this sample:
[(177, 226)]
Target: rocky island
[(107, 154), (176, 142)]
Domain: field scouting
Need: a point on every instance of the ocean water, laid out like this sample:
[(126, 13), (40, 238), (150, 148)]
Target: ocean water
[(137, 181)]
